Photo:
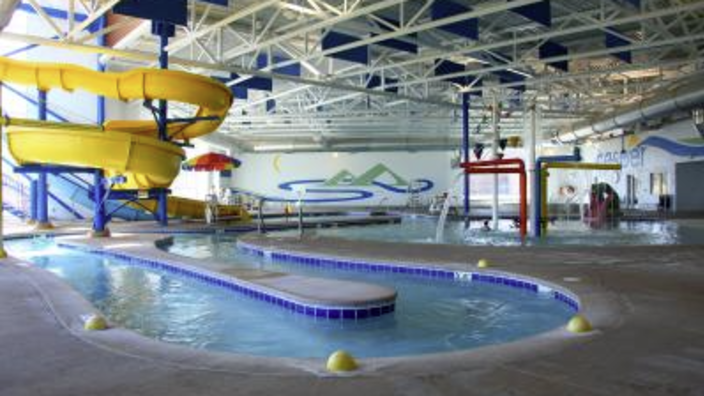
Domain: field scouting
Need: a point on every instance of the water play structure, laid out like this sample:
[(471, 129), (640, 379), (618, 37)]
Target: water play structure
[(541, 193), (144, 157), (505, 166)]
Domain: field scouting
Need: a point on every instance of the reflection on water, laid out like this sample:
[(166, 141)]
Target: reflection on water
[(423, 230), (431, 315)]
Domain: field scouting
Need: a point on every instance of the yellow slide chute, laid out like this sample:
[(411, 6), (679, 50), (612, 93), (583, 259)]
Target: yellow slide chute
[(120, 147)]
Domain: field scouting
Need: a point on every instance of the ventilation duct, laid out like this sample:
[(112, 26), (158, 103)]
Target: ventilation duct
[(7, 9), (682, 98)]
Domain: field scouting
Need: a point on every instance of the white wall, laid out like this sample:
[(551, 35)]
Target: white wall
[(640, 159), (264, 173)]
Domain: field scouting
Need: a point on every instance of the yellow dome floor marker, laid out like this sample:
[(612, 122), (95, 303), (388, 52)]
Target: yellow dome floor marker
[(579, 324), (95, 323), (483, 263), (341, 361)]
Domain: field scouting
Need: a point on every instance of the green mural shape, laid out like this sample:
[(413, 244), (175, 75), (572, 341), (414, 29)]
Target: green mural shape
[(346, 178), (375, 173), (343, 177)]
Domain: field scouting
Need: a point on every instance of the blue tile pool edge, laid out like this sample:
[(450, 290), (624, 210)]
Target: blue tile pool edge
[(238, 286), (426, 271)]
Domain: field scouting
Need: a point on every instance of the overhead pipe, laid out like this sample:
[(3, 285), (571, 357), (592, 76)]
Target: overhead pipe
[(684, 97)]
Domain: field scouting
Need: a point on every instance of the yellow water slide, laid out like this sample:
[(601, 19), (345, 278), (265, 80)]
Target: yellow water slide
[(120, 147)]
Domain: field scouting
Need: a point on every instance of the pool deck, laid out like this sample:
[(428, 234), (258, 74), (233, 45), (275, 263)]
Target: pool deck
[(646, 303)]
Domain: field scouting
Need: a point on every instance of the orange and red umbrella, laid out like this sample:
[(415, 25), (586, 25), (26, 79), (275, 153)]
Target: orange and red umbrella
[(211, 162)]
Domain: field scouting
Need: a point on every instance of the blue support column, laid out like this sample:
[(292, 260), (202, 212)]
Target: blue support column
[(42, 183), (465, 148), (33, 194), (99, 218), (164, 30)]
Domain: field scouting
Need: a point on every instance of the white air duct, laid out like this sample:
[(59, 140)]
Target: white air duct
[(683, 98), (7, 9)]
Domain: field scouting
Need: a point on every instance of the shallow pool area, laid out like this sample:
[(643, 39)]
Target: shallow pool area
[(423, 229), (432, 315)]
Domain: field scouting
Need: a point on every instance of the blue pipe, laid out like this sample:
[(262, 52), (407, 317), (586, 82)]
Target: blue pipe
[(33, 186), (42, 185), (465, 148), (100, 219), (163, 29), (537, 191)]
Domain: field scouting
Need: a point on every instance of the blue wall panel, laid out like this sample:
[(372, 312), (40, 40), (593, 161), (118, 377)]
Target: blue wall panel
[(291, 70), (613, 41), (551, 49), (172, 11), (507, 77), (397, 44), (357, 55), (538, 12), (375, 81), (258, 83), (444, 8)]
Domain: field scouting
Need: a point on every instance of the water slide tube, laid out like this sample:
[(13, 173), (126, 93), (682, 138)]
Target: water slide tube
[(120, 147), (564, 165)]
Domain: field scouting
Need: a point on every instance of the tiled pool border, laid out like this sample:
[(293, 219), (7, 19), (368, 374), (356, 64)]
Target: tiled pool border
[(238, 286), (417, 270)]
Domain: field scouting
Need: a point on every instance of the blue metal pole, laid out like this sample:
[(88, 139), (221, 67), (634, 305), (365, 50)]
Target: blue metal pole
[(99, 219), (33, 186), (537, 193), (465, 148), (99, 211), (162, 209), (42, 185)]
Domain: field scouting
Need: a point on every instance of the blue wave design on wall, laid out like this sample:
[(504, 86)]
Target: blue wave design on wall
[(427, 185), (349, 194), (672, 147)]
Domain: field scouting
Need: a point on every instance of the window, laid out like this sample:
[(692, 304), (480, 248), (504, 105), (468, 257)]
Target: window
[(658, 184)]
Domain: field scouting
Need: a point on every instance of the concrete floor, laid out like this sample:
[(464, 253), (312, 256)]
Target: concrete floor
[(646, 303)]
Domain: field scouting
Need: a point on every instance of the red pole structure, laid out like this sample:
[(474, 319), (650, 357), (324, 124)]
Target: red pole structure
[(523, 209), (505, 166)]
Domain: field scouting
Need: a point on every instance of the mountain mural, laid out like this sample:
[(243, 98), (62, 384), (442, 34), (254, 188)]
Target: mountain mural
[(378, 171)]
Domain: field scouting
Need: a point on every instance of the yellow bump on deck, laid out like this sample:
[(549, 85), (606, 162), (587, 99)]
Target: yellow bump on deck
[(579, 324), (95, 323), (483, 263), (341, 361)]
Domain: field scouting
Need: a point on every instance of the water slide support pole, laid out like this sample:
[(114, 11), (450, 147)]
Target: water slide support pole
[(33, 187), (99, 212), (42, 185), (163, 30), (465, 149)]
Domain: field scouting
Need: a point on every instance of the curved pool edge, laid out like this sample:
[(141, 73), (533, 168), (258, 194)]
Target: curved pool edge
[(131, 344)]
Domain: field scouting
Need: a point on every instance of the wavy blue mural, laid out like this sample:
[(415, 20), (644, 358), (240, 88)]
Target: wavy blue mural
[(673, 147), (345, 187)]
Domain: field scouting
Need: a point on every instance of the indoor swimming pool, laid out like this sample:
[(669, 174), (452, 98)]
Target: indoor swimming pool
[(422, 229), (432, 315)]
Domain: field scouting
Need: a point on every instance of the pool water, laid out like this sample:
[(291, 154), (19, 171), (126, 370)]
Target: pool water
[(423, 230), (431, 315)]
